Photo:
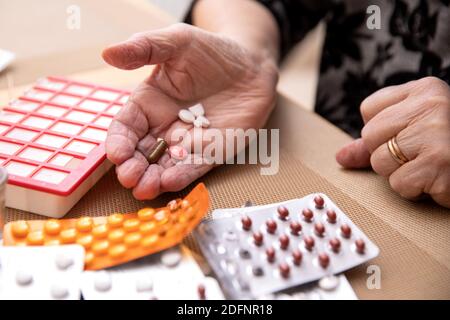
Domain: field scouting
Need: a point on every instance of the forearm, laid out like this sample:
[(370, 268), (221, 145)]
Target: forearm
[(245, 21)]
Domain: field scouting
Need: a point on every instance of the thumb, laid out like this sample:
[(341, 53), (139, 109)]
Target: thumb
[(354, 155), (152, 47)]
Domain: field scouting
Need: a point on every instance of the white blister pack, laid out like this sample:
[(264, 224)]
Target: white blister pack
[(170, 274), (257, 251), (41, 272)]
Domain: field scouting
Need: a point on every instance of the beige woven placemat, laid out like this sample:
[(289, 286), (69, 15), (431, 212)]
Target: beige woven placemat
[(407, 272)]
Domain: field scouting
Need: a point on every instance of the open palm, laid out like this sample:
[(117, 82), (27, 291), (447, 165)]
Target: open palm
[(236, 88)]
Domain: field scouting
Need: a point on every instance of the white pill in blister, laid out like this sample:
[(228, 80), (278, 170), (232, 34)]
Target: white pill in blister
[(63, 262), (197, 110), (102, 281), (329, 283), (24, 278), (201, 121), (144, 284), (58, 291), (171, 258), (186, 116)]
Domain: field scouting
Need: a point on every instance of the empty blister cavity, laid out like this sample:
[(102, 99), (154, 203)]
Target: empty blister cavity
[(19, 168), (9, 148), (106, 95), (81, 116), (51, 84), (52, 111), (22, 134), (81, 146), (39, 94), (24, 105), (66, 161), (9, 116), (66, 100), (35, 154), (93, 105), (50, 176), (37, 122), (3, 128), (95, 134), (51, 140), (78, 89), (67, 128), (114, 109), (124, 99), (103, 121)]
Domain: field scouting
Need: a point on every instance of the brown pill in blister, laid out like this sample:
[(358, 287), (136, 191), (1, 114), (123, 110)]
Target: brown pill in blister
[(360, 246), (284, 270), (271, 226), (246, 223), (283, 212), (284, 241), (331, 216), (157, 150), (318, 200), (335, 245), (309, 242), (319, 229), (295, 227), (297, 257), (346, 231), (258, 238), (324, 260), (270, 253), (307, 215)]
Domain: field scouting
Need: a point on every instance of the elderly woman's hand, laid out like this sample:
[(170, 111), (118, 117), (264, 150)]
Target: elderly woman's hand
[(236, 87), (418, 115)]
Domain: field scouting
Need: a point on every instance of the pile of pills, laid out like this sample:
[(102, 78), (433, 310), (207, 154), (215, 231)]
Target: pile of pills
[(118, 238), (194, 115), (159, 276), (51, 272), (260, 250)]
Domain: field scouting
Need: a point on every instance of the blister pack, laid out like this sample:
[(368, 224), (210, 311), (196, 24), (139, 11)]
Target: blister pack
[(118, 238), (170, 274), (46, 273), (334, 287), (279, 246)]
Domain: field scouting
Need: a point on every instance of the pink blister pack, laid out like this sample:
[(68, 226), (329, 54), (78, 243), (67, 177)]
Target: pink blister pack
[(266, 249), (52, 143)]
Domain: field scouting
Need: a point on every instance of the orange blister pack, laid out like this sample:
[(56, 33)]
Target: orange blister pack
[(118, 238)]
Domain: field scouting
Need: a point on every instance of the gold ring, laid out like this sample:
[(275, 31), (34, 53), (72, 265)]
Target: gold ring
[(395, 151)]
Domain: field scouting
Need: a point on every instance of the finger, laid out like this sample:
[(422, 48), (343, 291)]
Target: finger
[(129, 125), (410, 179), (148, 186), (130, 171), (354, 155), (389, 122), (440, 190), (181, 175), (384, 98), (152, 47), (382, 161)]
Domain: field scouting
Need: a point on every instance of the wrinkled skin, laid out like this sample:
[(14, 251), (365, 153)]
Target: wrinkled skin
[(235, 86)]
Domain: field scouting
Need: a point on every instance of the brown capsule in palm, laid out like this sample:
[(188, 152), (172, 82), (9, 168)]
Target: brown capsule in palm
[(157, 150)]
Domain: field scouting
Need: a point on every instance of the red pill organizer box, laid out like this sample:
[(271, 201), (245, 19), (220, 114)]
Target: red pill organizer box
[(52, 143)]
